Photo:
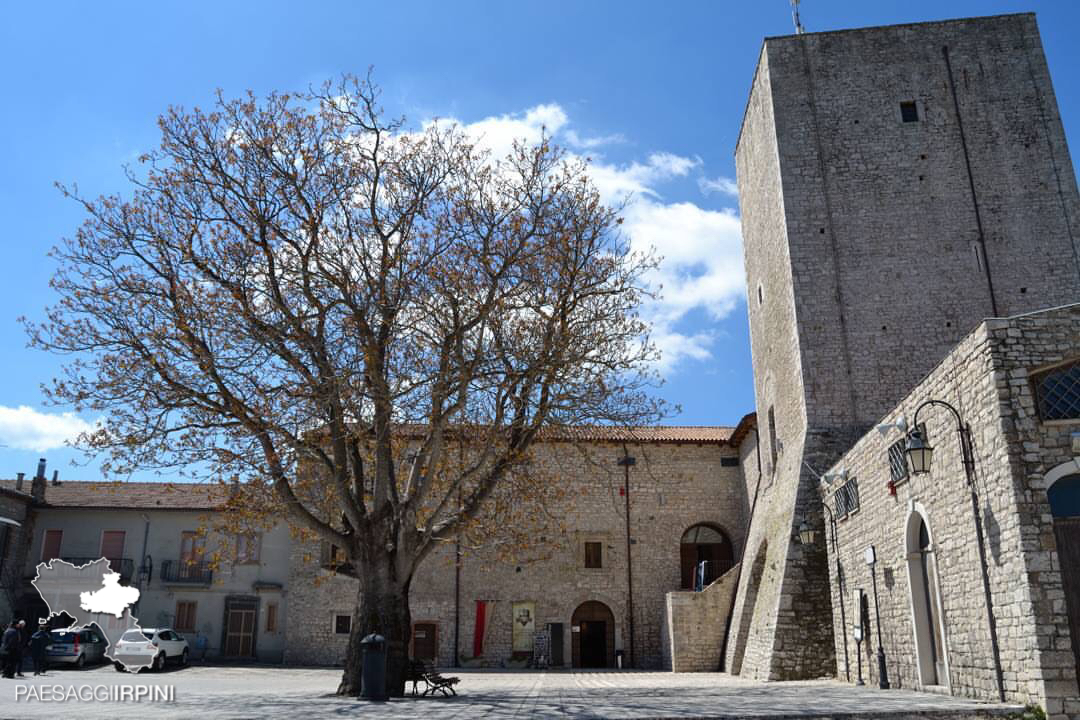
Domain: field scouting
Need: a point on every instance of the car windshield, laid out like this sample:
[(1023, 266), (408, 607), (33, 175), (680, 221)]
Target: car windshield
[(135, 636), (63, 636)]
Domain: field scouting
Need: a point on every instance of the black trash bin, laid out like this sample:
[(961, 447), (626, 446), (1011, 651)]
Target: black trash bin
[(373, 674)]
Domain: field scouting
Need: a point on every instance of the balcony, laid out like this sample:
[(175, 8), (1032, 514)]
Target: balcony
[(183, 572)]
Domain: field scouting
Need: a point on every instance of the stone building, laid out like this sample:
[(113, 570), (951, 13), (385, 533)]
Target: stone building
[(226, 594), (897, 185), (1015, 384), (686, 502)]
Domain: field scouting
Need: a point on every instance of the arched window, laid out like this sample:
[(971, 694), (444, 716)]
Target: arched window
[(704, 543), (1057, 392)]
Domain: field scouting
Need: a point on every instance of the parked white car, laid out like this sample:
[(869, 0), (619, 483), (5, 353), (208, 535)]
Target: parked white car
[(153, 647)]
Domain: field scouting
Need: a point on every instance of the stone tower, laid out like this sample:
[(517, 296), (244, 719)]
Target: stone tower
[(897, 185)]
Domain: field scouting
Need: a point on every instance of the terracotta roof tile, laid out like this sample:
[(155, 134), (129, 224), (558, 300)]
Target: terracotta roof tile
[(130, 495)]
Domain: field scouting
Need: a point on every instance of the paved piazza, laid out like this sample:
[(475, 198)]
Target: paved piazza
[(278, 692)]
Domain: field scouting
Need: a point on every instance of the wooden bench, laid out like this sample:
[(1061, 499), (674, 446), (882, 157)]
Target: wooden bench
[(426, 673)]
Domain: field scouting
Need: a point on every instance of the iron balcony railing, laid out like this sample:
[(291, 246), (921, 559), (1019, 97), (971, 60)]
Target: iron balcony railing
[(188, 573)]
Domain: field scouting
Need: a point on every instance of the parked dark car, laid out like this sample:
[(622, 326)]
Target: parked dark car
[(76, 647)]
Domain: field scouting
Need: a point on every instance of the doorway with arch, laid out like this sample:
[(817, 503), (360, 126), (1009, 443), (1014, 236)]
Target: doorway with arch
[(1063, 492), (704, 543), (593, 636), (925, 593)]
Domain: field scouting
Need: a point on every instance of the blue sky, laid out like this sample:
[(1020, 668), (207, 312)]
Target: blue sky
[(653, 92)]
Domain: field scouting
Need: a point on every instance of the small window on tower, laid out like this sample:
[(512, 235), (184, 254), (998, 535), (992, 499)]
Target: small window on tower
[(909, 112), (593, 555)]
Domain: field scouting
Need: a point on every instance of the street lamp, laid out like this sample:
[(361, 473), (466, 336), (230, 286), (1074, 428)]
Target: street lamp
[(806, 533), (920, 454)]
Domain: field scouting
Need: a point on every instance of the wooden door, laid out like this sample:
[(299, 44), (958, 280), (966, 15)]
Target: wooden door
[(1067, 530), (593, 644), (112, 547), (425, 645), (240, 632), (556, 632)]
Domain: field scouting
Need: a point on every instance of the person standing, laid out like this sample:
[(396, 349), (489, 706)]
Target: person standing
[(21, 629), (39, 644), (9, 649)]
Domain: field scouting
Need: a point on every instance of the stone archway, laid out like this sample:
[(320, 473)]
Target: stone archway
[(925, 596), (706, 543), (593, 635), (1063, 494)]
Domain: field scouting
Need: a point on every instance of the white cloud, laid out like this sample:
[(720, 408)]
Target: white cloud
[(576, 141), (722, 185), (702, 269), (25, 428)]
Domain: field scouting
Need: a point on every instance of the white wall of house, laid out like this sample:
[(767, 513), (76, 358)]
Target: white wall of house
[(262, 583)]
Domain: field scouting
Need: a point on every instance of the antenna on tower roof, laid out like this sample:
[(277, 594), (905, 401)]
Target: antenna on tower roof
[(795, 16)]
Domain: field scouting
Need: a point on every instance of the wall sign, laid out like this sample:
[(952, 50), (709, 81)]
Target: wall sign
[(524, 626)]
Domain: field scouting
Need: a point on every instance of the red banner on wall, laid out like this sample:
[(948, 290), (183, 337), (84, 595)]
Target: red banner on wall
[(478, 631)]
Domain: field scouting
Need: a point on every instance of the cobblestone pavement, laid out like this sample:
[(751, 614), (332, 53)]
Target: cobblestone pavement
[(279, 692)]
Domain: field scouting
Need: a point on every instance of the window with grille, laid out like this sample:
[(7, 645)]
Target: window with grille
[(898, 468), (1057, 392), (847, 498), (594, 555), (185, 616), (342, 624)]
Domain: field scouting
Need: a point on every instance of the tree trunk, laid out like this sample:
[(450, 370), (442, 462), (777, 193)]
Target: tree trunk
[(382, 607)]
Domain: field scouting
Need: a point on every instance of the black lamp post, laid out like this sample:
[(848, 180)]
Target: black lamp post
[(883, 671), (921, 454)]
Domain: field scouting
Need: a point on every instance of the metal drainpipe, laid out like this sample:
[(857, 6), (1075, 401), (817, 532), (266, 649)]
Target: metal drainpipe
[(457, 593), (626, 461)]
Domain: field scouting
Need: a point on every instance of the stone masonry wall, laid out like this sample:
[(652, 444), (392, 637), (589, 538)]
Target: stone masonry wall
[(672, 487), (860, 234), (693, 633), (14, 506), (986, 378)]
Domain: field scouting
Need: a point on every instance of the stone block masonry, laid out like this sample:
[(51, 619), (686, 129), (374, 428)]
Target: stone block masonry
[(930, 594), (673, 487), (897, 185)]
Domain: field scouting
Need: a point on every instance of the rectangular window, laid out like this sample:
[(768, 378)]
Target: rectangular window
[(332, 555), (191, 547), (898, 468), (271, 617), (909, 112), (729, 462), (50, 545), (772, 439), (247, 548), (342, 624), (593, 555), (185, 616), (112, 544), (847, 498)]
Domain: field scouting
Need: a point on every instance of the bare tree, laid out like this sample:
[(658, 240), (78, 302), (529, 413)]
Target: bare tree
[(307, 296)]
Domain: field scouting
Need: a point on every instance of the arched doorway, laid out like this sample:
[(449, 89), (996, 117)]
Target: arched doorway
[(593, 635), (704, 543), (925, 602), (1064, 496)]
